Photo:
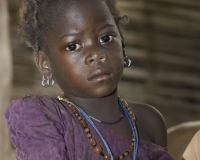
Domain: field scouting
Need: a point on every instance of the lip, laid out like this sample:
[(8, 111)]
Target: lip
[(99, 75)]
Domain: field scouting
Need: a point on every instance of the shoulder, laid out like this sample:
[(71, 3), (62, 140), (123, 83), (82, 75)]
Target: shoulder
[(30, 103), (150, 123), (31, 99), (146, 110), (36, 127), (32, 110)]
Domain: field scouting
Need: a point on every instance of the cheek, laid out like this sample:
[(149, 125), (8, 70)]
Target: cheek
[(117, 59), (76, 76), (120, 64), (117, 64), (58, 69), (68, 73)]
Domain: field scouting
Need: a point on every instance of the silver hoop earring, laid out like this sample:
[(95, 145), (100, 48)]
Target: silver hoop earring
[(127, 61), (50, 83), (47, 83), (44, 84)]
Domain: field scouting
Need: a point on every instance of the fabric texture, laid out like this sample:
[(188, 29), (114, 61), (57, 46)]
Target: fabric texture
[(192, 151), (43, 128)]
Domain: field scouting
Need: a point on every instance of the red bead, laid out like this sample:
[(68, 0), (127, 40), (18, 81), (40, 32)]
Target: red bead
[(73, 109), (98, 149), (125, 103), (83, 123), (130, 148), (92, 141), (121, 157), (89, 135), (126, 153), (106, 157), (79, 118), (63, 95), (86, 130), (133, 117)]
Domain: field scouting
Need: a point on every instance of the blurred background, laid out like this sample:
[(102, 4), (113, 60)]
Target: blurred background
[(163, 42)]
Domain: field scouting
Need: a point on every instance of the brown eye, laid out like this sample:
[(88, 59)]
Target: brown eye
[(73, 47), (106, 39)]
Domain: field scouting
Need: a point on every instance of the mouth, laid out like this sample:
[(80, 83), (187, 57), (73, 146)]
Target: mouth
[(99, 75)]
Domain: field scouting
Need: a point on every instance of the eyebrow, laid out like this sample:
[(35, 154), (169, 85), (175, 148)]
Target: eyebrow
[(79, 33), (70, 35), (105, 26)]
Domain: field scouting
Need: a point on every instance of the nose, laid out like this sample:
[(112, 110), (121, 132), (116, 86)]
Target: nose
[(95, 58)]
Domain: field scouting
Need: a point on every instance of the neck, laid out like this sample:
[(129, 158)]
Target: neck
[(100, 108)]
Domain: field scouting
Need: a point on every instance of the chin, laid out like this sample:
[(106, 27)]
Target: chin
[(105, 93)]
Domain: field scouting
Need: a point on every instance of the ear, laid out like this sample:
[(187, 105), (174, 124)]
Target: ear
[(42, 62), (127, 61), (123, 47)]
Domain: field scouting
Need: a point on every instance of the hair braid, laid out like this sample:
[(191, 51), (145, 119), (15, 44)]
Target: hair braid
[(119, 20), (29, 23), (35, 23), (35, 13)]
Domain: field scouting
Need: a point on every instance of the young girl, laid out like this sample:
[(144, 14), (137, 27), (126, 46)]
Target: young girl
[(79, 44)]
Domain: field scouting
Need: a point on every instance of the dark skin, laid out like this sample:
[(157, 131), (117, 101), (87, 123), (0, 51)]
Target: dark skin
[(85, 56)]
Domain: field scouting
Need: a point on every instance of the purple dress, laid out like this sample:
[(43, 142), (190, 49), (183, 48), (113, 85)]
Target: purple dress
[(43, 128)]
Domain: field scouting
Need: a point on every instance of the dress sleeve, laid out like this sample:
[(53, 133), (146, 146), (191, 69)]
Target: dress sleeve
[(193, 149), (35, 130)]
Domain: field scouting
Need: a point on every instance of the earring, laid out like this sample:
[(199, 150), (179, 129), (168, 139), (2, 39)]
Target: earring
[(44, 83), (48, 83), (127, 61)]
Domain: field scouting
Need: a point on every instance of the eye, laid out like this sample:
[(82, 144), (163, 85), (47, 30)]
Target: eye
[(73, 47), (106, 39)]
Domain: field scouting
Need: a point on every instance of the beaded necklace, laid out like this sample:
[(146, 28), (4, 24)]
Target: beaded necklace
[(98, 149)]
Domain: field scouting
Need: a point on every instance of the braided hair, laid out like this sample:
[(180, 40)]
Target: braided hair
[(36, 17)]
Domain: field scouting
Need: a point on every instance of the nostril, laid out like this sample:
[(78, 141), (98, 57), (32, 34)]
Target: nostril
[(95, 58), (91, 60)]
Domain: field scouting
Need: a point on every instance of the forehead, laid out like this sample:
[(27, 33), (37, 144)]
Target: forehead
[(80, 12), (86, 6), (89, 6)]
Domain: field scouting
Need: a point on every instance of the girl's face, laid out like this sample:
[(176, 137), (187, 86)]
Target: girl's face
[(86, 50)]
